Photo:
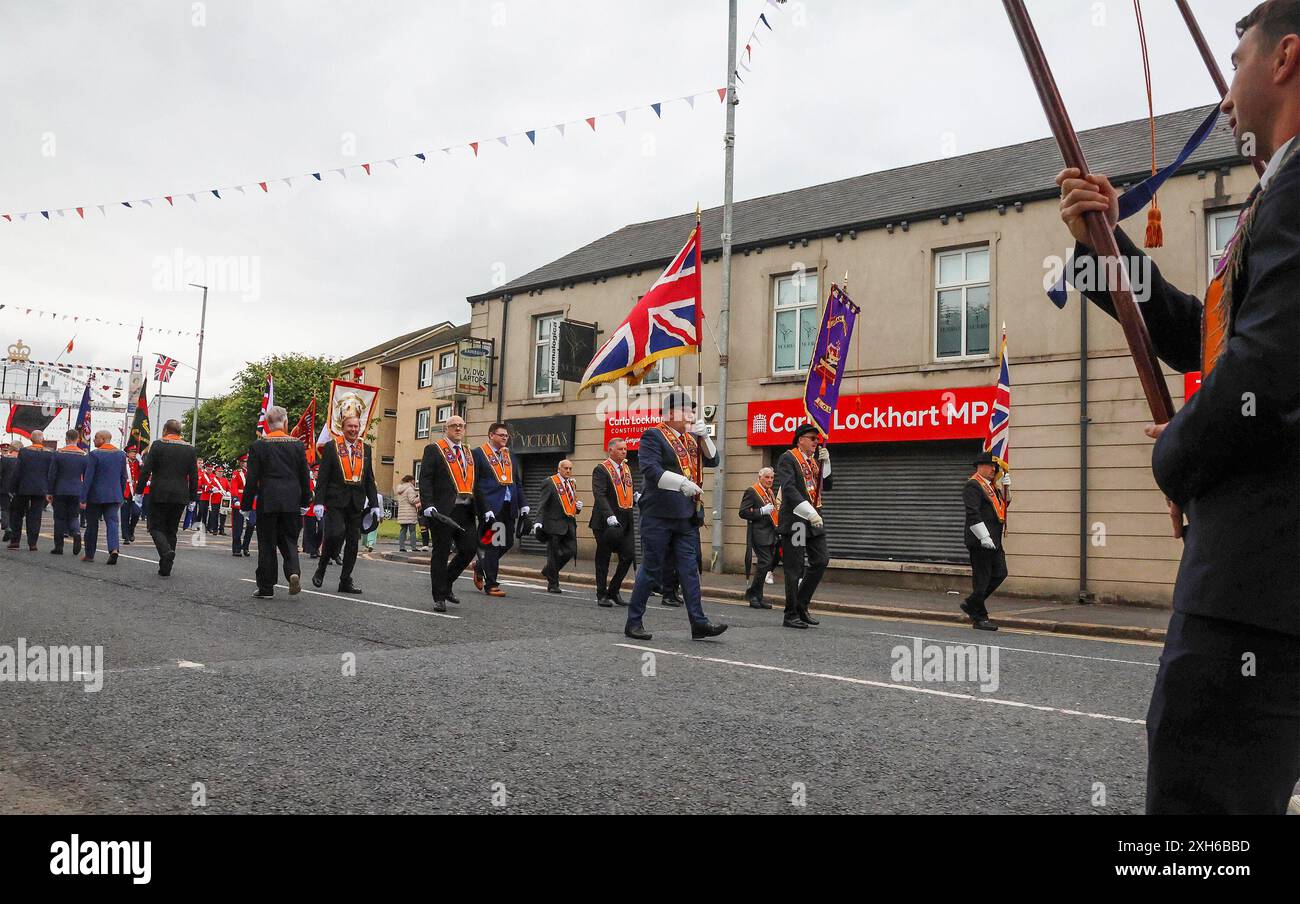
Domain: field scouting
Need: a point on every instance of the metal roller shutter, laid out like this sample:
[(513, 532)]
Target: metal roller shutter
[(899, 502), (537, 470)]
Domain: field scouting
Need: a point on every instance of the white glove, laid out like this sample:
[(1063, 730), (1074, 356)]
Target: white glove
[(489, 516), (816, 521), (767, 509), (428, 513), (806, 510), (318, 511), (579, 505), (192, 506), (138, 499), (612, 521), (377, 514), (525, 511), (1006, 480), (636, 498), (699, 428), (980, 530), (304, 511), (537, 528)]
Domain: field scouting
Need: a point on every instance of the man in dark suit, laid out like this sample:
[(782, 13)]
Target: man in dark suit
[(345, 493), (171, 469), (803, 473), (277, 479), (67, 467), (672, 463), (986, 517), (1223, 729), (759, 509), (613, 522), (558, 520), (447, 480), (31, 490), (8, 464), (499, 485)]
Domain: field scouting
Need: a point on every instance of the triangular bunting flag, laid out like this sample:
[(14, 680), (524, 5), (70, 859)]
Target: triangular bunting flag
[(560, 126), (393, 161), (745, 66), (288, 181), (169, 200), (81, 212), (591, 121), (316, 176), (216, 194), (342, 171), (690, 99), (9, 218), (532, 136), (503, 141), (147, 203), (749, 51), (722, 95), (474, 145), (101, 210), (422, 157), (658, 108), (263, 186), (366, 167), (46, 214), (762, 17), (126, 203), (622, 114), (194, 199)]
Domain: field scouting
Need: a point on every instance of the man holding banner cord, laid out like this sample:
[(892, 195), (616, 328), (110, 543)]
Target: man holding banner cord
[(802, 474)]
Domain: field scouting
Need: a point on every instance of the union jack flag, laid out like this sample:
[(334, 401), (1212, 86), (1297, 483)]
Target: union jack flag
[(665, 323), (268, 400), (164, 368), (998, 440)]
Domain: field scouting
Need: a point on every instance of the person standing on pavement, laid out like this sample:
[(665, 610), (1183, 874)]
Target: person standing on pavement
[(171, 468), (408, 507), (803, 473), (986, 518), (758, 508), (277, 479), (31, 490), (558, 514), (613, 522), (102, 489), (345, 494), (66, 471), (499, 484), (447, 492)]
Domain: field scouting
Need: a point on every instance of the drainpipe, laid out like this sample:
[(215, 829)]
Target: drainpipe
[(501, 376), (1084, 596)]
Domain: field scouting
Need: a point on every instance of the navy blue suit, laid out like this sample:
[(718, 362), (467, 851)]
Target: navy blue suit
[(66, 470), (103, 487), (504, 501), (669, 530), (31, 485)]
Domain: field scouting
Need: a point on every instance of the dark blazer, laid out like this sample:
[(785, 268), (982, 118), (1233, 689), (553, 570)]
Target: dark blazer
[(1237, 476), (105, 479), (653, 458), (278, 477), (8, 471), (979, 509), (490, 491), (66, 470), (33, 475), (761, 531), (173, 467), (332, 491), (605, 501), (555, 523), (437, 488), (789, 480)]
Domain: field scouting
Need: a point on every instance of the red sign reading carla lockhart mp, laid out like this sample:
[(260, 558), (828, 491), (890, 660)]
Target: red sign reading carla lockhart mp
[(889, 417), (629, 425)]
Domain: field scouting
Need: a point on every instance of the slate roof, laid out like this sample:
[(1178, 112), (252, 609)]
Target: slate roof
[(389, 345), (982, 180), (442, 335)]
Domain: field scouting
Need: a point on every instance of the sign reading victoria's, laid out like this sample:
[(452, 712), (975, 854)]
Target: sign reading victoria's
[(533, 435), (936, 414)]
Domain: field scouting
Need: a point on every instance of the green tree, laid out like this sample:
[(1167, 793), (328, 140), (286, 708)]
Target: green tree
[(209, 447), (297, 379)]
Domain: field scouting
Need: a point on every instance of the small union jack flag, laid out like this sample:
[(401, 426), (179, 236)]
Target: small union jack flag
[(164, 368), (998, 440)]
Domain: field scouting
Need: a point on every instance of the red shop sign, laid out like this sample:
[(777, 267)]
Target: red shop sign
[(889, 417), (629, 425)]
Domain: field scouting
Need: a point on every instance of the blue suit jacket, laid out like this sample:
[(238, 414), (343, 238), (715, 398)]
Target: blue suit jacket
[(66, 471), (33, 474), (654, 457), (105, 478), (491, 492)]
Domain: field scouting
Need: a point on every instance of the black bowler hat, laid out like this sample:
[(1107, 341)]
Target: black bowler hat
[(985, 458), (678, 401), (805, 429)]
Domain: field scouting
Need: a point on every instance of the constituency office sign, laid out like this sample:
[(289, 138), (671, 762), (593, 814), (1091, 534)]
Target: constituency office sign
[(890, 417), (629, 425)]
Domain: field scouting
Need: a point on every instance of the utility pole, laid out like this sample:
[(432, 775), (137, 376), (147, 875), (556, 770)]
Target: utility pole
[(728, 174), (198, 371)]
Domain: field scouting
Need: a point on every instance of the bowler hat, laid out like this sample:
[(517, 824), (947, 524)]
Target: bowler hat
[(805, 429), (985, 458), (678, 401)]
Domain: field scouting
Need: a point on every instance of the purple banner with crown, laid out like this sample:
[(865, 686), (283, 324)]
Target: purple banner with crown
[(826, 370)]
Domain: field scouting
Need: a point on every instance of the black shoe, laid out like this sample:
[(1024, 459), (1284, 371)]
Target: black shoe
[(970, 613), (313, 555), (706, 630), (554, 589), (112, 558), (618, 600), (349, 588), (672, 601), (260, 594), (451, 598), (235, 554), (807, 618), (636, 632), (985, 625), (56, 552), (604, 602), (295, 584), (755, 604), (318, 578), (795, 622), (76, 544), (338, 560), (439, 606)]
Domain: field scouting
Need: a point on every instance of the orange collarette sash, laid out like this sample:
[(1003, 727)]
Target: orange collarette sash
[(501, 464), (683, 447), (353, 470), (768, 499), (569, 500), (995, 498), (621, 474), (810, 468), (462, 475)]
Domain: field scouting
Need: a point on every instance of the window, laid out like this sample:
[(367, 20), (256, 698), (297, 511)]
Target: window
[(390, 412), (447, 361), (794, 325), (386, 459), (415, 468), (422, 423), (1222, 227), (543, 385), (962, 315), (426, 373), (664, 373), (444, 413)]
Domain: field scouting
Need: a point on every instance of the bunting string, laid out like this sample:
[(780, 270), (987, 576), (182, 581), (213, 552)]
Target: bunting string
[(65, 367), (745, 55), (81, 318)]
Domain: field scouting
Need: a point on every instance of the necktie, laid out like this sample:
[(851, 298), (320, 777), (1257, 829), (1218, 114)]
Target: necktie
[(459, 460)]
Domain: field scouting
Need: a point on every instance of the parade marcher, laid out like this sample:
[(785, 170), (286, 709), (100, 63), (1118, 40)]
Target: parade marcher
[(345, 493), (558, 517), (277, 479), (759, 509), (803, 473), (499, 484), (613, 522), (66, 471), (8, 465), (134, 500), (672, 464), (103, 487), (200, 522), (238, 483), (447, 480), (171, 469), (31, 491), (1223, 728), (311, 525), (408, 508), (986, 517), (216, 494)]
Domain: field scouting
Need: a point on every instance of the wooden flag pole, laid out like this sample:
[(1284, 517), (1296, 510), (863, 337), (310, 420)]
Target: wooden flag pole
[(1101, 236), (1216, 74)]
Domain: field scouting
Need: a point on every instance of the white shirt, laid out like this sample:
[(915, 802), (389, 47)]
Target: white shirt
[(1275, 162)]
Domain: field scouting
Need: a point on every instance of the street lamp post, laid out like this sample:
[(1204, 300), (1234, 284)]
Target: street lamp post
[(198, 371)]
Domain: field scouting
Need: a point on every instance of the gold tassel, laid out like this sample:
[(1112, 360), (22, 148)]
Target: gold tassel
[(1155, 228)]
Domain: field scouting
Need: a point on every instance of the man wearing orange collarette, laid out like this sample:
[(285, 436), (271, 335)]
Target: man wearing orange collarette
[(345, 493), (558, 517), (452, 509)]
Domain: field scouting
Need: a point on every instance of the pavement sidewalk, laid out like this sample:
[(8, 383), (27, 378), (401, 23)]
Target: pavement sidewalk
[(1051, 616)]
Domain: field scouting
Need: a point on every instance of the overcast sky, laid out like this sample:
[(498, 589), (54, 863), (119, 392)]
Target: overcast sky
[(109, 101)]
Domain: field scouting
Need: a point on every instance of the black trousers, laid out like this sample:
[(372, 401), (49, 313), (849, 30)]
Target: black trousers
[(214, 517), (5, 502), (444, 542), (67, 518), (276, 531), (311, 535), (30, 509), (764, 562), (559, 552), (988, 571), (342, 531), (619, 540), (164, 521), (500, 540), (805, 563), (1223, 728), (201, 514), (130, 518)]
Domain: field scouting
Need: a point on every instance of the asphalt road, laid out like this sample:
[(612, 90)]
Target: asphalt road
[(534, 702)]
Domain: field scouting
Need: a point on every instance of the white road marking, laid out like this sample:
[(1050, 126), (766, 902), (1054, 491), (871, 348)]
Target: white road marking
[(884, 685), (353, 599), (122, 555), (1151, 665), (186, 664)]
